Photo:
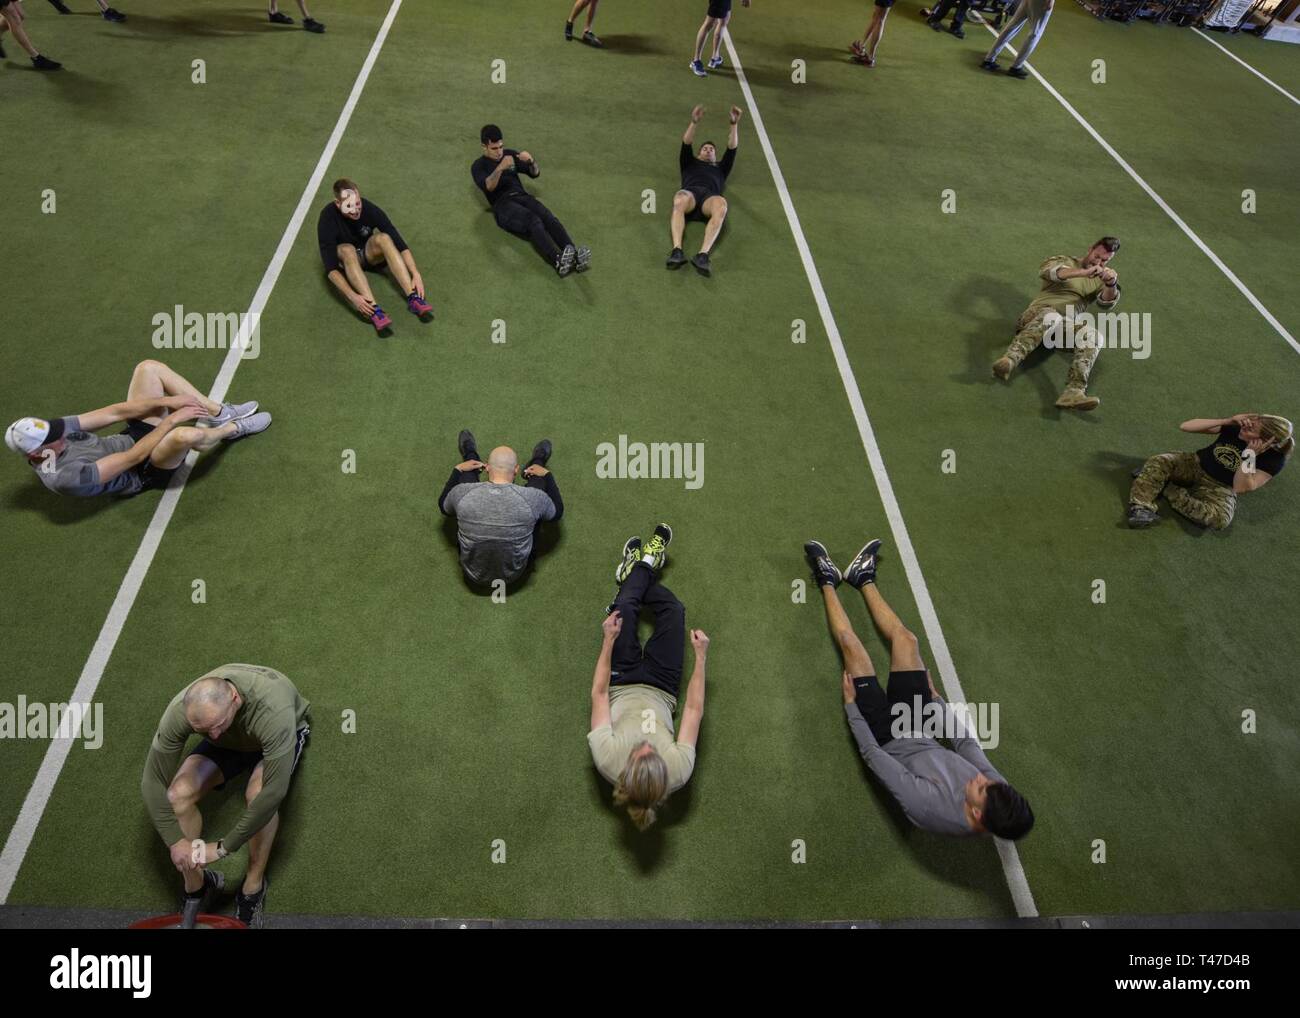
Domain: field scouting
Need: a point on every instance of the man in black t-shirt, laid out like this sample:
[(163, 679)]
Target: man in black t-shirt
[(700, 197), (1248, 451), (356, 235), (496, 173)]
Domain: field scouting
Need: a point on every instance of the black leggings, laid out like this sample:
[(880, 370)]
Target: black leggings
[(525, 216), (659, 662)]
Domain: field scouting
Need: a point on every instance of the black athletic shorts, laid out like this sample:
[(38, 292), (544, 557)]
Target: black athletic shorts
[(701, 196), (719, 8), (150, 475), (886, 4), (234, 762), (876, 704)]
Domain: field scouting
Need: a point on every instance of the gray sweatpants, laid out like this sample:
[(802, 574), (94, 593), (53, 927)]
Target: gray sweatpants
[(1036, 13)]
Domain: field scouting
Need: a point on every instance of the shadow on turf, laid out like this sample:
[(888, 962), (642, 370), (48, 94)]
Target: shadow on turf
[(646, 848), (147, 28), (633, 45)]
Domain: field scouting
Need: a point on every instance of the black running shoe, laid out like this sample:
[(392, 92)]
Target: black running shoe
[(1017, 72), (657, 546), (192, 905), (113, 15), (702, 265), (2, 52), (825, 572), (582, 259), (312, 25), (589, 37), (249, 908), (989, 65), (564, 260), (467, 446), (44, 63), (862, 570), (541, 453), (60, 6), (280, 18), (956, 30), (568, 31), (937, 26), (676, 258), (1140, 516)]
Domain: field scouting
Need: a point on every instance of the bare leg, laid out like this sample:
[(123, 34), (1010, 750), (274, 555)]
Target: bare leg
[(170, 452), (14, 19), (577, 9), (856, 661), (259, 845), (196, 777), (355, 273), (380, 245), (718, 28), (683, 204), (152, 379), (904, 652), (702, 35), (716, 209), (302, 6), (877, 29), (591, 13)]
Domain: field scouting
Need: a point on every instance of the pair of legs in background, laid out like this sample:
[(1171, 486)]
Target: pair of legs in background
[(710, 209), (1030, 329), (588, 36), (308, 22), (1034, 13), (1186, 487), (716, 21), (209, 768), (864, 51), (940, 11), (13, 19)]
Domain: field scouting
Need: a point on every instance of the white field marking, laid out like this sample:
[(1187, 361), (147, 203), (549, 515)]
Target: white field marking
[(1151, 193), (1243, 63), (1021, 894), (38, 797)]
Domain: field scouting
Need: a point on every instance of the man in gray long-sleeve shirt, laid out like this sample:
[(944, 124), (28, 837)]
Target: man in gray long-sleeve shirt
[(948, 791), (497, 518)]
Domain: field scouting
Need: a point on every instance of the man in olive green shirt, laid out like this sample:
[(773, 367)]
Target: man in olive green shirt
[(250, 717), (1069, 286)]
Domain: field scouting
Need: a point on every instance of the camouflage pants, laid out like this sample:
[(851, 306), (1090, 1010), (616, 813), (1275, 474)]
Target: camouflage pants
[(1186, 487), (1029, 335)]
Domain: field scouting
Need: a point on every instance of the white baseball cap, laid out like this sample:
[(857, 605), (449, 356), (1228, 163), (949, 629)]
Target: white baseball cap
[(27, 434)]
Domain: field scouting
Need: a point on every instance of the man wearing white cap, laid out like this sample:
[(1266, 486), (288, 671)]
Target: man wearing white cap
[(71, 460)]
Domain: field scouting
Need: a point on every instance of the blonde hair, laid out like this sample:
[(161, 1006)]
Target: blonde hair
[(1279, 431), (643, 785)]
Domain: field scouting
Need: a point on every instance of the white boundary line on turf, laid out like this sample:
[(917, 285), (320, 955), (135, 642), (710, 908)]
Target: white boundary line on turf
[(1021, 894), (1243, 63), (1151, 193), (38, 797)]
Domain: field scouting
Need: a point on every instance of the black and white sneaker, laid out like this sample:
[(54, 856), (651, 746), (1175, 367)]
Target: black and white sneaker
[(232, 412), (657, 547), (582, 259), (676, 258), (568, 31), (43, 63), (541, 453), (113, 15), (312, 25), (1139, 517), (862, 570), (249, 908), (192, 905), (825, 573), (467, 446), (564, 260), (279, 18), (1017, 72), (702, 264)]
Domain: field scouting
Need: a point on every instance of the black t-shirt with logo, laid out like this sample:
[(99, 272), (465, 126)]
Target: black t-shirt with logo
[(710, 178), (1221, 458), (334, 228)]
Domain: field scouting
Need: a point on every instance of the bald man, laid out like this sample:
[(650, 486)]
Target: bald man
[(251, 719), (497, 519)]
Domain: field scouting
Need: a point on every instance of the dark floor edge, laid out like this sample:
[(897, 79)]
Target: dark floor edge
[(38, 917)]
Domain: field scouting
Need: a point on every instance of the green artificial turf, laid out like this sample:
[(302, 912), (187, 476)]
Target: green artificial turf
[(1120, 721)]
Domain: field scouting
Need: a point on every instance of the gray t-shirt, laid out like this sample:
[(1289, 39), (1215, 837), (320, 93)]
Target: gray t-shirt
[(73, 471), (928, 780), (495, 523)]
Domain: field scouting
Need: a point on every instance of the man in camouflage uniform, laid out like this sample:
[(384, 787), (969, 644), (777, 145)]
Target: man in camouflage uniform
[(1067, 283)]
